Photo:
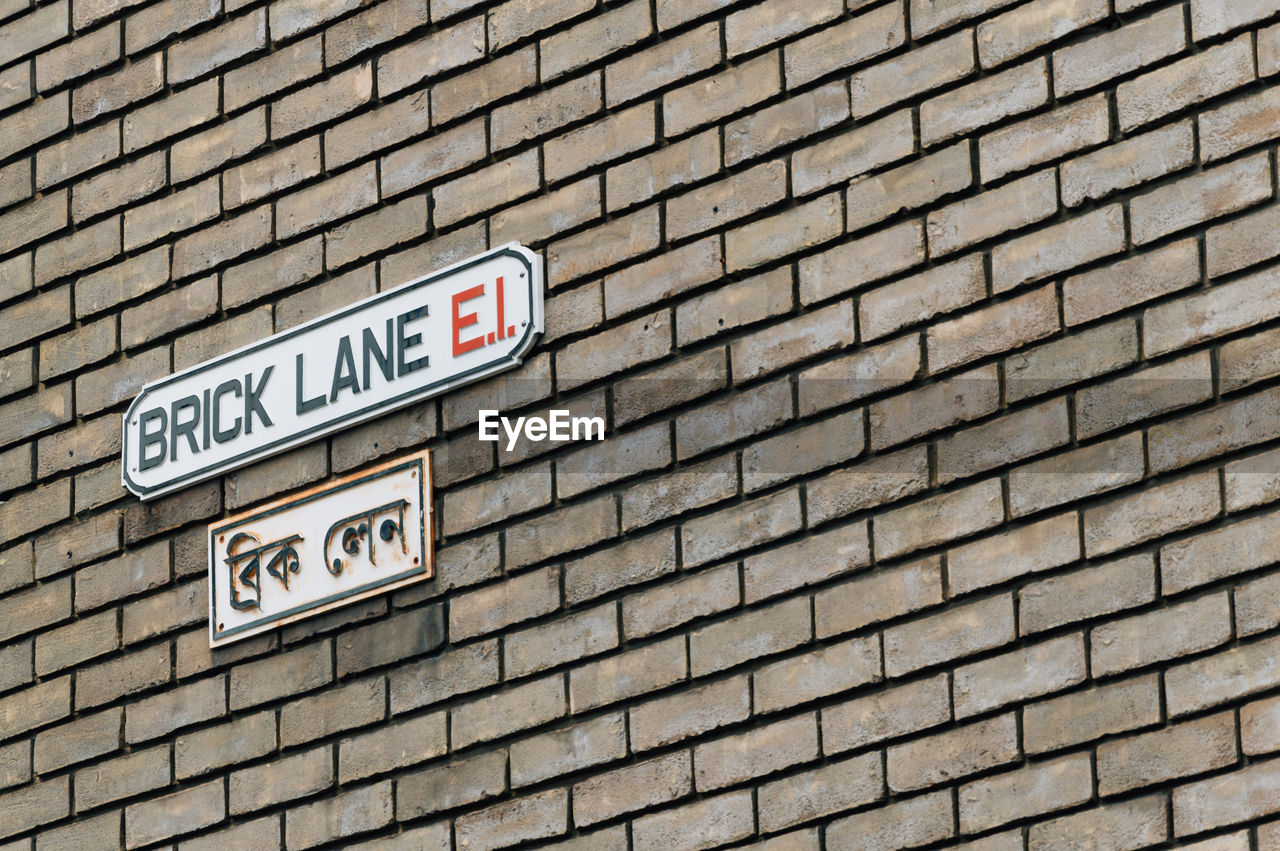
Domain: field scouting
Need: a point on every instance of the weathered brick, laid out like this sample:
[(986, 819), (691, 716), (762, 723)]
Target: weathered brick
[(194, 57), (908, 415), (77, 642), (800, 228), (639, 179), (757, 752), (291, 17), (1196, 78), (36, 706), (1209, 18), (33, 31), (284, 779), (594, 39), (939, 519), (1131, 281), (690, 713), (848, 43), (1247, 794), (1014, 205), (1130, 824), (507, 712), (778, 627), (1002, 326), (729, 199), (763, 131), (140, 771), (709, 821), (278, 70), (1200, 197), (1086, 715), (155, 23), (851, 265), (920, 297), (1260, 727), (333, 199), (941, 62), (822, 791), (545, 112), (1094, 352), (1033, 25), (739, 527), (591, 522), (851, 154), (1127, 164), (986, 101), (957, 632), (499, 77), (1150, 513), (589, 743), (911, 821), (356, 811), (778, 346), (174, 814), (627, 674), (1222, 677), (1192, 747), (355, 704), (1163, 634), (240, 740), (224, 241), (829, 670), (722, 94), (1014, 677), (82, 152), (169, 312), (281, 675), (1034, 790), (123, 675), (1155, 390), (1083, 594), (632, 788), (854, 376), (42, 803), (1113, 54), (1251, 481), (954, 754), (1041, 546), (33, 124), (522, 819), (675, 603), (168, 513), (881, 596), (254, 834), (141, 79), (392, 746)]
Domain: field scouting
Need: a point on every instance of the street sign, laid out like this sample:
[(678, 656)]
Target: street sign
[(438, 332), (337, 543)]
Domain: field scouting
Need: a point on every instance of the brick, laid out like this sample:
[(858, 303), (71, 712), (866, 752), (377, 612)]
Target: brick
[(670, 274), (1013, 205), (631, 788), (392, 746), (994, 329), (224, 241), (16, 566), (810, 561), (356, 704), (522, 819), (547, 215), (1260, 727), (154, 24), (15, 764), (963, 397), (727, 200), (1112, 587), (712, 821), (493, 186), (908, 822), (954, 754), (281, 675), (1130, 824), (740, 527), (507, 712), (545, 112), (240, 740), (35, 805), (879, 597), (1247, 794), (1151, 513), (1115, 53), (1201, 197), (851, 154), (1163, 634), (1188, 81), (829, 670), (1033, 25), (37, 607), (1192, 747), (1131, 281), (15, 182), (436, 54), (1091, 353), (721, 94), (770, 128), (1237, 126), (33, 31), (583, 634), (122, 675), (36, 317), (822, 791), (1041, 546), (574, 312), (281, 269), (255, 834), (781, 345), (1015, 677), (951, 634), (197, 56), (177, 813), (137, 81), (36, 706), (986, 101), (169, 513), (122, 777), (86, 150), (34, 124), (1211, 18), (76, 642), (920, 297), (15, 84), (333, 199), (854, 264), (690, 713), (1086, 715), (190, 108), (732, 306), (885, 715), (800, 228), (1155, 390), (666, 62), (1222, 677), (627, 675), (778, 627), (595, 357), (272, 173), (356, 811), (278, 70), (594, 39), (591, 522), (33, 220), (284, 779), (676, 603), (848, 43), (863, 373), (355, 35), (1250, 481), (758, 752), (292, 17), (517, 19), (15, 276), (1034, 790), (590, 743), (1239, 243), (121, 282), (689, 160), (169, 312), (939, 519), (941, 62)]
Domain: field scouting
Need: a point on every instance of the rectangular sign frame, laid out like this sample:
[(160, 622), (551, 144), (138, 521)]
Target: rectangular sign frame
[(499, 292), (327, 540)]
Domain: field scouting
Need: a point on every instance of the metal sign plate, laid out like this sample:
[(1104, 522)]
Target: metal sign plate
[(418, 340), (332, 545)]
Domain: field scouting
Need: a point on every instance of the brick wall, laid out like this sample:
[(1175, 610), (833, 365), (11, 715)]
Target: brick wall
[(937, 343)]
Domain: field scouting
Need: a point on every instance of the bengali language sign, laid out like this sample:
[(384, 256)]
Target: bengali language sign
[(332, 545)]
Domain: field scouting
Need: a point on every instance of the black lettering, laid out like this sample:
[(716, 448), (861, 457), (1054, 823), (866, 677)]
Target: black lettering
[(344, 370), (306, 405), (403, 367), (219, 433), (253, 401), (381, 355), (180, 428), (148, 438), (205, 420)]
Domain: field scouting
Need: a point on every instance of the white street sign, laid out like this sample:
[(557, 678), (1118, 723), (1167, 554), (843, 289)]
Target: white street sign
[(332, 545), (441, 331)]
